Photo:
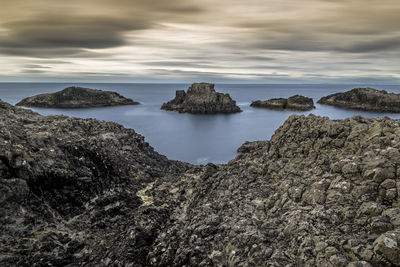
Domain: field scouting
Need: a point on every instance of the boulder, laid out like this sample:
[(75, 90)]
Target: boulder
[(201, 98)]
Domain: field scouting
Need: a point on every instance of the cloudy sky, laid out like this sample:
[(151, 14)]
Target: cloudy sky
[(252, 41)]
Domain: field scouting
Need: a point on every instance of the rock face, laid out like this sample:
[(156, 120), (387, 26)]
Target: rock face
[(76, 97), (296, 102), (83, 192), (201, 98), (70, 191), (367, 99)]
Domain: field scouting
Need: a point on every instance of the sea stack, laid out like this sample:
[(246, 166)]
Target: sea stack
[(367, 99), (201, 98), (77, 97), (296, 102)]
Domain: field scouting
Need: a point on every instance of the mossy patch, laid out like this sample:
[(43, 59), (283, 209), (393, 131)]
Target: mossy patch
[(147, 200)]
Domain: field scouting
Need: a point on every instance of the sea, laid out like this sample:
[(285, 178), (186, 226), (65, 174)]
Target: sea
[(197, 139)]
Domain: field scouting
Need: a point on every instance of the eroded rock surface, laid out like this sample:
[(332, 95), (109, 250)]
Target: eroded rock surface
[(367, 99), (76, 97), (296, 102), (201, 98), (84, 192), (70, 191)]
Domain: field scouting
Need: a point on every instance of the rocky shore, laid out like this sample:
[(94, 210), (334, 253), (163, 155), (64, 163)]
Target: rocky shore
[(85, 192), (296, 102), (367, 99), (201, 98), (76, 97)]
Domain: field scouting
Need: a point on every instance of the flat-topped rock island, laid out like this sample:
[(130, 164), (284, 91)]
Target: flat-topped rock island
[(201, 98), (77, 97), (367, 99), (296, 102)]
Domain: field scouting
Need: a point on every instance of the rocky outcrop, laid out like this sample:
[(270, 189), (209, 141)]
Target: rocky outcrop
[(70, 191), (296, 102), (319, 193), (76, 97), (203, 99), (84, 192), (367, 99)]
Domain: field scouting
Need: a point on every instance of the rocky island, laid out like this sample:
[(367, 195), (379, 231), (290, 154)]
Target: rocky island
[(76, 97), (368, 99), (201, 98), (296, 102), (82, 192)]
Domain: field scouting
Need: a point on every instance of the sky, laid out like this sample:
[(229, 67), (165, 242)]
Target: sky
[(225, 41)]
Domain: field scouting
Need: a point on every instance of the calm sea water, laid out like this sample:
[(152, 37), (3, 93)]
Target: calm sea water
[(195, 138)]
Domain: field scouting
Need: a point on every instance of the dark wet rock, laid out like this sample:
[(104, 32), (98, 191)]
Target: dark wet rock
[(76, 97), (69, 191), (292, 201), (203, 99), (84, 192), (367, 99), (296, 102)]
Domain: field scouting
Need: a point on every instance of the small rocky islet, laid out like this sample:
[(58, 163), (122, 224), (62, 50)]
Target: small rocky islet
[(296, 102), (367, 99), (77, 97), (83, 192), (201, 98)]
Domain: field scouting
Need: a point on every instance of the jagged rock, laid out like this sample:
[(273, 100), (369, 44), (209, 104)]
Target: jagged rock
[(388, 245), (296, 102), (76, 97), (84, 192), (368, 99), (201, 98), (69, 191)]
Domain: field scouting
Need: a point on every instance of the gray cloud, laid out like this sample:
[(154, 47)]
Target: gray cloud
[(70, 34), (196, 39), (377, 45)]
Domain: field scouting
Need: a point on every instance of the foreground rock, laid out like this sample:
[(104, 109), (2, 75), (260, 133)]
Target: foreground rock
[(70, 191), (76, 97), (201, 98), (296, 102), (83, 192), (367, 99)]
